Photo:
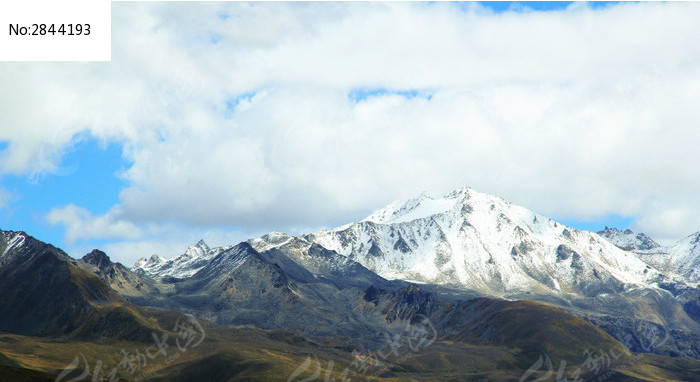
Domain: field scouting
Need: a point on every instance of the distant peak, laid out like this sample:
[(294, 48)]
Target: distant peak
[(628, 240), (149, 262), (270, 240), (199, 249), (97, 258), (244, 247), (275, 235)]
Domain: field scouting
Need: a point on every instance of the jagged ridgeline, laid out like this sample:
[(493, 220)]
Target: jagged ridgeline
[(462, 287)]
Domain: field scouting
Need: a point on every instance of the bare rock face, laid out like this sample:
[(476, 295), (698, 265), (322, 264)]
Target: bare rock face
[(45, 294), (120, 278)]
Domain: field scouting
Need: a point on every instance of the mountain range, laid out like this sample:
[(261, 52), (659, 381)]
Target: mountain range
[(480, 244), (497, 283)]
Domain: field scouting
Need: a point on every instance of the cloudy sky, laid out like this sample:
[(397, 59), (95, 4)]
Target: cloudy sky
[(224, 121)]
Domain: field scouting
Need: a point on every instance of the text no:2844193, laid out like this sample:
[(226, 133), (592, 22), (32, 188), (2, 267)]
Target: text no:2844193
[(50, 29)]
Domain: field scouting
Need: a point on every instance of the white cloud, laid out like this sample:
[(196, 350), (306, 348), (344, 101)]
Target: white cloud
[(81, 224), (667, 222), (574, 113)]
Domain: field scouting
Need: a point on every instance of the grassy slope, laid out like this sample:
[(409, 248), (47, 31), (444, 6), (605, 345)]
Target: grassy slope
[(18, 374), (256, 355)]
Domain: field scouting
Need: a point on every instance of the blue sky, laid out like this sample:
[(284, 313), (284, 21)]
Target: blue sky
[(225, 121), (503, 6), (88, 175)]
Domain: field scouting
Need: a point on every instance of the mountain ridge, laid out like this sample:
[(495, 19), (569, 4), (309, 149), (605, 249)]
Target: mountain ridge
[(469, 243), (293, 297), (441, 217), (46, 294)]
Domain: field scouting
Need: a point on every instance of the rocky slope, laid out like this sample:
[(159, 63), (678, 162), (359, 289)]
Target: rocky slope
[(120, 278), (297, 286), (44, 294)]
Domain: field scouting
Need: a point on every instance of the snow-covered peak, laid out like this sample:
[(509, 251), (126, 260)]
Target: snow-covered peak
[(198, 250), (684, 257), (628, 240), (421, 206), (185, 265), (484, 242), (455, 206), (270, 240), (149, 263)]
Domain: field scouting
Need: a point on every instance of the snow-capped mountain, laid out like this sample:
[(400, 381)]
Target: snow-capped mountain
[(473, 241), (485, 243), (318, 260), (629, 241), (195, 258), (150, 265), (682, 258), (292, 253), (322, 263)]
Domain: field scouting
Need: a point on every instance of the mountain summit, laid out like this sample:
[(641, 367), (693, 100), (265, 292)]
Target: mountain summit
[(482, 242), (187, 264), (628, 240)]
